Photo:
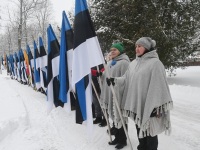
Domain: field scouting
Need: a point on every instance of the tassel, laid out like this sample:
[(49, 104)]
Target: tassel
[(148, 132), (139, 122), (135, 120), (165, 106), (161, 109), (145, 133), (157, 111), (141, 134)]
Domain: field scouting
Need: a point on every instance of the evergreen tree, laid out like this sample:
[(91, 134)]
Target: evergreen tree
[(171, 23)]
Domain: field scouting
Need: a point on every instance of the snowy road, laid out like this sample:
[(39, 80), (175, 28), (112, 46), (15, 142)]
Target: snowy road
[(24, 124)]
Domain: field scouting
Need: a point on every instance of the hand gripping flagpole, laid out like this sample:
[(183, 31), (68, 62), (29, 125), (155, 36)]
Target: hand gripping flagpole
[(104, 112), (116, 103)]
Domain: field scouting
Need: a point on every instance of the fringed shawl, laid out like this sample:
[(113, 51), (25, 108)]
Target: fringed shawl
[(145, 88), (106, 97)]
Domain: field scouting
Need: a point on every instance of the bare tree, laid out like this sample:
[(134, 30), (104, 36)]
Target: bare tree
[(26, 19), (43, 16)]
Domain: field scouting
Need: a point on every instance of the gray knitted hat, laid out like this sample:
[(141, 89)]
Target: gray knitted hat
[(146, 42)]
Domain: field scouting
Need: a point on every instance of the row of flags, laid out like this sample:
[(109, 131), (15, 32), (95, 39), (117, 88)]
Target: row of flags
[(65, 67)]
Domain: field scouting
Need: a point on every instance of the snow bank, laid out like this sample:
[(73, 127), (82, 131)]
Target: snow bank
[(25, 125)]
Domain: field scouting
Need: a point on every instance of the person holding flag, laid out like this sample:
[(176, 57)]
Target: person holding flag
[(96, 73), (116, 68), (86, 54), (146, 98)]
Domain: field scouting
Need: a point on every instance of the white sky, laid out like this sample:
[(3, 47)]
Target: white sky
[(59, 6)]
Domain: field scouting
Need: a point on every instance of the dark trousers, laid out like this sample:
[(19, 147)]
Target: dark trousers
[(121, 135), (98, 112), (148, 142)]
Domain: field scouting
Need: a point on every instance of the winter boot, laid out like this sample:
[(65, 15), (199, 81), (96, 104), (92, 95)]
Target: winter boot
[(120, 146), (103, 123), (113, 131), (97, 120), (114, 142)]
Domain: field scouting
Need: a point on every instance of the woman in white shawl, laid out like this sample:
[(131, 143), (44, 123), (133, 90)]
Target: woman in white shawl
[(145, 96), (116, 68)]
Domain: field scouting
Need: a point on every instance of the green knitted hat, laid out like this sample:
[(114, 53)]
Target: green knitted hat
[(118, 46)]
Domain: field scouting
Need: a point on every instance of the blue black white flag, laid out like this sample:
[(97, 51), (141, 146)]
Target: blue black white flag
[(53, 70), (16, 66), (87, 54), (19, 67), (43, 65), (36, 67), (66, 55), (23, 68), (12, 72)]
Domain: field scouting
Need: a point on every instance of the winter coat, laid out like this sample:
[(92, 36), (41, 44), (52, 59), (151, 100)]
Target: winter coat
[(116, 68), (143, 88)]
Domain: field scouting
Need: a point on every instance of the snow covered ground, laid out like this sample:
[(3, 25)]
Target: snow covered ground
[(24, 124)]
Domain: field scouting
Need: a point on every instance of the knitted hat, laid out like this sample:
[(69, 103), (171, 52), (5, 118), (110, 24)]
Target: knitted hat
[(146, 42), (118, 46)]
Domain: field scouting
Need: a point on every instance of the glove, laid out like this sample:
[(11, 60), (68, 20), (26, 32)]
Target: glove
[(110, 81), (99, 74)]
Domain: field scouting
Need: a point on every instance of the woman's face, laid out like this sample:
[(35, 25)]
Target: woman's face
[(114, 52), (139, 49)]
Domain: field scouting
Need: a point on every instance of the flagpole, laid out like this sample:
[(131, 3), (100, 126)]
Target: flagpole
[(104, 112), (116, 103)]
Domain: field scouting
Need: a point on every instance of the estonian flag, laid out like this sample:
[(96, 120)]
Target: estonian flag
[(16, 66), (23, 69), (53, 70), (19, 67), (31, 63), (11, 60), (87, 54), (7, 64), (36, 67), (43, 65), (66, 54)]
